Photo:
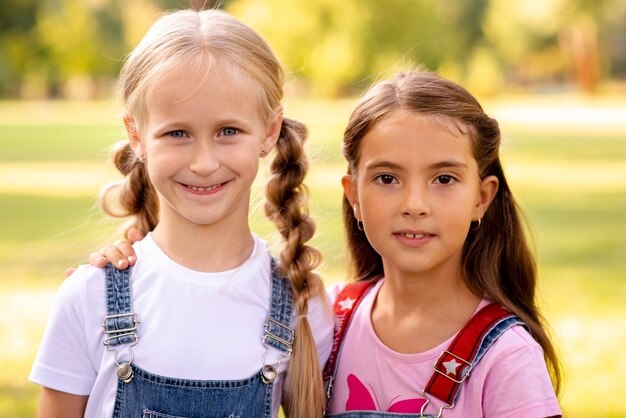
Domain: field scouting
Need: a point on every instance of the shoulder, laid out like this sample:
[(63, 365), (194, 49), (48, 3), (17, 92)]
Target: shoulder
[(514, 352), (516, 377), (516, 342), (84, 282), (334, 290), (340, 288), (80, 299)]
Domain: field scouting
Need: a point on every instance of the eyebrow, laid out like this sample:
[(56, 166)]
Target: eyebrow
[(382, 164), (377, 164), (448, 164)]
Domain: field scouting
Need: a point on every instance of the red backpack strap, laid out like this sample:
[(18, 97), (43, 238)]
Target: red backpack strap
[(455, 364), (345, 305)]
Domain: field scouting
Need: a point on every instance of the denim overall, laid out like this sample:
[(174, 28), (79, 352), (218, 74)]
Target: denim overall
[(143, 394), (487, 339)]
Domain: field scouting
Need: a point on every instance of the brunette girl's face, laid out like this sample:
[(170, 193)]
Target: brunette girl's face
[(417, 189), (201, 136)]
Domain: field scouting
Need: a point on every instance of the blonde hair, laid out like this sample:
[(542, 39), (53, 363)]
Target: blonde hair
[(206, 39)]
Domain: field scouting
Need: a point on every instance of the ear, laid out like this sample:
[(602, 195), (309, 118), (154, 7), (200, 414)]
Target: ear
[(273, 131), (133, 135), (350, 189), (488, 189)]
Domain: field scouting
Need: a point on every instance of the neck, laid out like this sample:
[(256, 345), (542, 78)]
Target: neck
[(206, 248), (441, 293), (431, 305)]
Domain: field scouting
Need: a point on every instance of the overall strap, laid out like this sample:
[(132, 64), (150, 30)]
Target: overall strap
[(120, 322), (454, 365), (278, 332), (345, 305)]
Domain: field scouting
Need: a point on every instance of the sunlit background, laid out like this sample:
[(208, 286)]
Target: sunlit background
[(553, 72)]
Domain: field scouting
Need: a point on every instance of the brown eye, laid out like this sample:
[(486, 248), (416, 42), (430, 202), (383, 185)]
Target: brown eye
[(444, 179), (386, 179)]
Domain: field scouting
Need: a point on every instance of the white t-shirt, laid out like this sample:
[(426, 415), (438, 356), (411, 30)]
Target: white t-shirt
[(193, 325), (511, 380)]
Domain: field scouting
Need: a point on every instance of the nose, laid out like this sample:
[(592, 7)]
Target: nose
[(204, 159), (415, 201)]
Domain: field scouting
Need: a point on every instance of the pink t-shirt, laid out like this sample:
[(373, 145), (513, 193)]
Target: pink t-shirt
[(511, 380)]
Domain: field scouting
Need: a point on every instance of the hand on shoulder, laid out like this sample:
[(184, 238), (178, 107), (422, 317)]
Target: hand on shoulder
[(120, 254)]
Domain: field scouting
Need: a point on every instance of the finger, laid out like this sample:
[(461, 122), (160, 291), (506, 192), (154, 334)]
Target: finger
[(97, 260), (126, 249), (69, 271), (111, 254), (133, 235)]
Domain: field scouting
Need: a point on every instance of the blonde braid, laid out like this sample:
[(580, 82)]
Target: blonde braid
[(136, 196), (286, 206)]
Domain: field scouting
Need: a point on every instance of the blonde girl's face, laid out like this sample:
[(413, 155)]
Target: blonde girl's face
[(201, 137), (417, 189)]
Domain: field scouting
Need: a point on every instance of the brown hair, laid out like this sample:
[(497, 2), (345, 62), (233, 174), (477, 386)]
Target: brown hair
[(213, 37), (497, 261)]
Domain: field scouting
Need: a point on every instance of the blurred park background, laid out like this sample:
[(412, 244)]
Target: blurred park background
[(553, 72)]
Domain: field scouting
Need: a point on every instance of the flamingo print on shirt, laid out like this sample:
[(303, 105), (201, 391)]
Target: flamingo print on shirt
[(360, 399)]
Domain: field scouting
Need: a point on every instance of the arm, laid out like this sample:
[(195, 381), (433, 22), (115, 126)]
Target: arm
[(54, 403)]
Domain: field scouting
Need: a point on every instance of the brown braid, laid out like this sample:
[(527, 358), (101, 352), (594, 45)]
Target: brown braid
[(136, 195), (286, 207)]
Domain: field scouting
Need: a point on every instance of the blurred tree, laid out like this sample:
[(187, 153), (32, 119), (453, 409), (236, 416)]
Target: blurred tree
[(19, 47), (81, 42), (539, 41), (524, 37), (338, 46), (59, 47)]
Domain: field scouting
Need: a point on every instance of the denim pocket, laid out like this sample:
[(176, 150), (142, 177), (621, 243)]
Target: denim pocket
[(152, 414)]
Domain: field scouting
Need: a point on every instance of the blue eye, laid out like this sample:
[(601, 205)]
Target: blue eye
[(177, 134), (229, 131)]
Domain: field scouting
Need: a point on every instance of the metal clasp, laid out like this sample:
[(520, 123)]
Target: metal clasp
[(444, 406), (268, 333), (269, 372), (464, 376)]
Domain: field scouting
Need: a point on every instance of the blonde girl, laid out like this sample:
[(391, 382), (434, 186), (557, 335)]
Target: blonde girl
[(444, 273), (206, 323)]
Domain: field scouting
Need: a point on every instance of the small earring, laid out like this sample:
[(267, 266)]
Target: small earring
[(359, 225), (263, 153), (477, 227)]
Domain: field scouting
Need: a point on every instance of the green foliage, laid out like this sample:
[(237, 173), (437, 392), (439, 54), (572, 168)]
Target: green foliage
[(74, 48)]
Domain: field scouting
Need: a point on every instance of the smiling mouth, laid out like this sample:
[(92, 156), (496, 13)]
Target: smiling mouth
[(204, 189)]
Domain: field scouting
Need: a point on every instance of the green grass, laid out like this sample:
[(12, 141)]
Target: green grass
[(571, 184), (57, 142)]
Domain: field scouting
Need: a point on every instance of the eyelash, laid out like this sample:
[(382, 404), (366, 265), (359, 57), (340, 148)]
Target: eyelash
[(178, 131), (450, 179), (235, 131), (379, 178)]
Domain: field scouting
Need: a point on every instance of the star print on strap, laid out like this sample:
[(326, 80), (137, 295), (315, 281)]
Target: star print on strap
[(345, 305), (454, 365)]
